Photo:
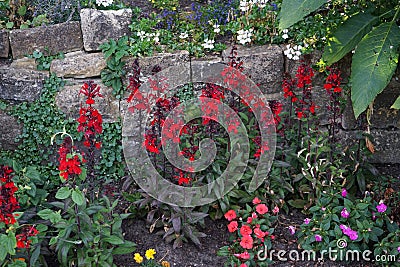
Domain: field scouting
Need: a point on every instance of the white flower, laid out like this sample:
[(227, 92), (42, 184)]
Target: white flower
[(293, 52), (261, 3), (208, 44), (244, 5), (104, 3), (141, 35), (183, 35), (244, 36), (216, 28), (285, 34)]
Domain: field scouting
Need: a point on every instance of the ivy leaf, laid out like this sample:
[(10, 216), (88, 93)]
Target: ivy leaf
[(77, 197), (396, 104), (293, 11), (373, 64), (347, 36)]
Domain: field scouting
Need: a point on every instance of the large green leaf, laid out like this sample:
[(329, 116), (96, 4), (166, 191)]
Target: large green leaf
[(293, 11), (396, 104), (347, 36), (373, 65)]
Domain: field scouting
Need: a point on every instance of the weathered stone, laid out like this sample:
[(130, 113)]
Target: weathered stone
[(24, 63), (9, 130), (69, 101), (383, 116), (263, 64), (63, 37), (79, 65), (4, 44), (162, 60), (21, 84), (386, 143), (98, 26)]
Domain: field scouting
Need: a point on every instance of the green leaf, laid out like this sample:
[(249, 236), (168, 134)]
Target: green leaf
[(22, 10), (63, 193), (126, 248), (396, 104), (77, 197), (48, 214), (347, 36), (113, 240), (9, 25), (293, 11), (373, 65)]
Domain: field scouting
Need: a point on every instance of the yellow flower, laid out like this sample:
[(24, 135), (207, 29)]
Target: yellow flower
[(150, 254), (165, 264), (138, 258)]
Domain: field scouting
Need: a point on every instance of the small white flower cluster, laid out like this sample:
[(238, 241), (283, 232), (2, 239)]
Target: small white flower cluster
[(148, 36), (216, 28), (293, 52), (208, 44), (104, 3), (246, 5), (244, 36), (285, 34), (184, 35)]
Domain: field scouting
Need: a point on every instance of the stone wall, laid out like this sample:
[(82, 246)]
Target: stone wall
[(80, 42)]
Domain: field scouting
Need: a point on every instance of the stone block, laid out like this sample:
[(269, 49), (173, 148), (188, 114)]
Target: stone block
[(24, 63), (263, 64), (21, 84), (162, 60), (386, 143), (79, 65), (98, 26), (69, 101), (63, 37), (4, 44), (9, 130)]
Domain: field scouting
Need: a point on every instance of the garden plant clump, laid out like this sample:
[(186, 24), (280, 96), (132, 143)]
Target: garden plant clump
[(66, 194)]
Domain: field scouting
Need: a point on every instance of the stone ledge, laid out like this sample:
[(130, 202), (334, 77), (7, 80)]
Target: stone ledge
[(63, 37), (79, 65)]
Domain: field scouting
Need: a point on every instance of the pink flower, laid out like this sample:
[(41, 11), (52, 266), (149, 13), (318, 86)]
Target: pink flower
[(275, 210), (246, 242), (249, 220), (232, 226), (256, 201), (318, 238), (292, 229), (245, 230), (243, 265), (381, 207), (230, 215), (344, 192), (244, 256), (344, 213), (398, 249), (307, 220), (261, 209), (259, 233)]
